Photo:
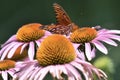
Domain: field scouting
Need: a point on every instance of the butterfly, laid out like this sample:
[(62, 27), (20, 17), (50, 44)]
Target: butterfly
[(64, 24)]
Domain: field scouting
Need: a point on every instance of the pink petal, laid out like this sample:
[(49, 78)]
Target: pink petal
[(11, 72), (71, 78), (116, 37), (34, 74), (47, 33), (103, 73), (63, 69), (111, 36), (12, 51), (42, 73), (108, 41), (7, 50), (52, 71), (38, 43), (12, 38), (29, 69), (114, 31), (58, 72), (93, 52), (31, 50), (4, 75), (23, 46), (102, 31), (88, 51), (82, 62), (73, 70), (3, 49), (100, 47), (6, 46), (81, 55), (75, 45), (81, 68)]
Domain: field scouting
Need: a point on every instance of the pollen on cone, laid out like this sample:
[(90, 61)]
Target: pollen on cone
[(7, 64), (55, 49), (83, 35), (30, 32)]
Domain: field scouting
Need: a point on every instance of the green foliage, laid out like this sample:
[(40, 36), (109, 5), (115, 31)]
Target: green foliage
[(106, 64)]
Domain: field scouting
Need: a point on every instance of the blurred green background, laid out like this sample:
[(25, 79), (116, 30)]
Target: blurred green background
[(106, 13)]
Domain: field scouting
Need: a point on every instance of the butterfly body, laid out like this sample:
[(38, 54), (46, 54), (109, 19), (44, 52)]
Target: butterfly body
[(58, 29)]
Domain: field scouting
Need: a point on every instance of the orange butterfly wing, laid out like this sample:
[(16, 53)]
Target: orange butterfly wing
[(61, 15)]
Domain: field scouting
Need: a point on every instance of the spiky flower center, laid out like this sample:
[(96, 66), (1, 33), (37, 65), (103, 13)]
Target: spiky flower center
[(83, 35), (6, 64), (55, 49), (30, 32)]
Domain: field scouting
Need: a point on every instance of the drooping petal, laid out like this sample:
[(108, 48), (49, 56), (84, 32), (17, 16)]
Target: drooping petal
[(108, 41), (63, 69), (3, 49), (100, 47), (23, 67), (81, 68), (91, 70), (52, 71), (11, 72), (20, 64), (80, 54), (93, 52), (12, 51), (24, 77), (73, 71), (34, 74), (103, 74), (12, 38), (4, 75), (31, 50), (58, 72), (4, 54), (88, 51), (23, 47), (42, 73)]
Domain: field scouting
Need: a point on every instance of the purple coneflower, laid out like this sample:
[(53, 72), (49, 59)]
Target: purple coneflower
[(28, 37), (8, 69), (57, 55), (91, 38)]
